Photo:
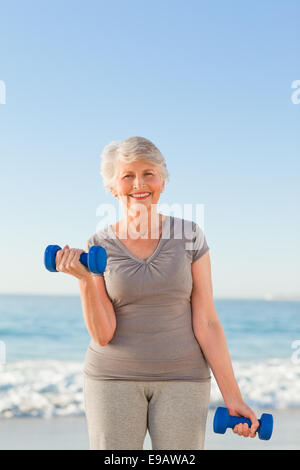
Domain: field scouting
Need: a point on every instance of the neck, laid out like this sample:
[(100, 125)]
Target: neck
[(139, 226)]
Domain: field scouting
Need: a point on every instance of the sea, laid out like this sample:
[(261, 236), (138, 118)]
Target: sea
[(43, 341)]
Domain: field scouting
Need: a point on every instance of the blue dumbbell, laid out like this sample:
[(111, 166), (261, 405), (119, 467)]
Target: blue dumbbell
[(95, 260), (223, 420)]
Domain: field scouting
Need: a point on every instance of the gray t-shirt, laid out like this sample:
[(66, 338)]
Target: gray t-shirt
[(154, 338)]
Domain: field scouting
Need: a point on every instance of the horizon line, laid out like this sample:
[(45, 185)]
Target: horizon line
[(266, 298)]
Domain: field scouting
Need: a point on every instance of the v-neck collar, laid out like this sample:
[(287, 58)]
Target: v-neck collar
[(140, 260)]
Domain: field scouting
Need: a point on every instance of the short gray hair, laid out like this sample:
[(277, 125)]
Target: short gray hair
[(130, 150)]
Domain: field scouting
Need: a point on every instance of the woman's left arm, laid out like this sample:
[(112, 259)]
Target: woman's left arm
[(211, 338)]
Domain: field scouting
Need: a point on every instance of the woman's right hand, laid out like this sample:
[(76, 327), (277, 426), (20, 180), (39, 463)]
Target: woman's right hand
[(67, 261)]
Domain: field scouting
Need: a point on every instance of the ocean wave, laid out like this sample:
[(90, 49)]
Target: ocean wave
[(51, 388), (265, 384)]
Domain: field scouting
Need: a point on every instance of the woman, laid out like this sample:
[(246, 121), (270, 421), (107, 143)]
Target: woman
[(154, 330)]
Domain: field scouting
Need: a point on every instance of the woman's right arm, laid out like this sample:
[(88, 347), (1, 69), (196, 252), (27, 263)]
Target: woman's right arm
[(97, 308)]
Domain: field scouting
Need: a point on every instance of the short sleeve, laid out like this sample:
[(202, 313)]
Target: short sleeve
[(199, 244), (91, 242)]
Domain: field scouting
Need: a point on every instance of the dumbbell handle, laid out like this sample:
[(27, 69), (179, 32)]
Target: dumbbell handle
[(84, 259), (234, 420)]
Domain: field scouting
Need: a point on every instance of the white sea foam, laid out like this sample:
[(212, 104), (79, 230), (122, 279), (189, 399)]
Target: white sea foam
[(271, 383), (50, 388), (41, 388)]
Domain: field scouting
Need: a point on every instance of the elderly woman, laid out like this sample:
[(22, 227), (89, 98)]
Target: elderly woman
[(155, 333)]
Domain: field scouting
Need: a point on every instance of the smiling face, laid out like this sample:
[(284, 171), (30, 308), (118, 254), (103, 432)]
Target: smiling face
[(138, 177)]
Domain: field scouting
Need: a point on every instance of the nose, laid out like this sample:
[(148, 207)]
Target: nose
[(138, 182)]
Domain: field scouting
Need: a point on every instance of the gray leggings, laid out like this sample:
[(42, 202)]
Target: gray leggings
[(119, 412)]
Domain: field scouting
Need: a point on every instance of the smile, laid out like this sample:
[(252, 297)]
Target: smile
[(142, 196)]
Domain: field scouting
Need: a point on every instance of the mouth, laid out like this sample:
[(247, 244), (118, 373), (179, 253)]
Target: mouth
[(140, 197)]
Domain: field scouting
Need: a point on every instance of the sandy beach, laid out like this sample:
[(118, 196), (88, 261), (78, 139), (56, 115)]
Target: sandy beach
[(71, 434)]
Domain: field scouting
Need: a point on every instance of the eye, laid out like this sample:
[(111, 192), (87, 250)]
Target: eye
[(126, 176)]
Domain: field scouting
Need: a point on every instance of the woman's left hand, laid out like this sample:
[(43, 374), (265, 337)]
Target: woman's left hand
[(241, 409)]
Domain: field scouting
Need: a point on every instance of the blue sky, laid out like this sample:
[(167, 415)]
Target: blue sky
[(208, 82)]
